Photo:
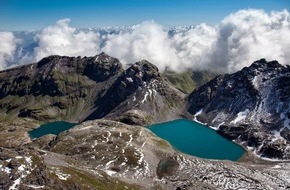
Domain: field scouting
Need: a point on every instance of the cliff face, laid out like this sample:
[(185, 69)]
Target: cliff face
[(251, 106)]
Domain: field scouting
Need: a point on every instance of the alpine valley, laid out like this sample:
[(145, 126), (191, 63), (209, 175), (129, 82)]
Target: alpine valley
[(111, 147)]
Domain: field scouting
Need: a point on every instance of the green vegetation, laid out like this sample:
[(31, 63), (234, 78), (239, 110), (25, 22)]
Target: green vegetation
[(188, 80), (162, 143), (88, 181)]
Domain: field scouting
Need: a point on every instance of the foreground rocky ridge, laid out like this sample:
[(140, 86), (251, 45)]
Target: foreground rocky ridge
[(104, 154), (251, 106)]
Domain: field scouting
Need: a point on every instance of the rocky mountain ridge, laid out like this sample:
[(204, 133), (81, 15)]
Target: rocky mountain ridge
[(251, 106), (78, 89)]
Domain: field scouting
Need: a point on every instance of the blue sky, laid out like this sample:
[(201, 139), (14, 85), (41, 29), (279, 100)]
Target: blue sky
[(36, 14)]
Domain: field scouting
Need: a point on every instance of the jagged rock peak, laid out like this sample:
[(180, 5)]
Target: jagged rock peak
[(143, 70), (57, 59), (105, 58), (49, 59), (264, 65)]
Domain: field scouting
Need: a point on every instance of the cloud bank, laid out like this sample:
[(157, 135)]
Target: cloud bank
[(61, 39), (238, 40), (8, 44)]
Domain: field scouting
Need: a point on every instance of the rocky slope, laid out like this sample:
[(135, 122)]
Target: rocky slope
[(77, 89), (251, 106), (57, 87), (104, 154), (143, 96)]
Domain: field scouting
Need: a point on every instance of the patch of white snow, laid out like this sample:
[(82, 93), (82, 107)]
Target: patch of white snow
[(129, 79), (241, 116), (15, 184), (145, 98)]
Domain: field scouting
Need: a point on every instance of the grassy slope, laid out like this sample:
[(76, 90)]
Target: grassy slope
[(188, 80)]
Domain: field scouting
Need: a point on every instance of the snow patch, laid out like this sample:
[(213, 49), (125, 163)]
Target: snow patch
[(110, 172), (134, 98), (277, 135), (97, 59), (6, 169), (276, 166), (150, 92), (143, 144), (216, 128), (145, 98), (198, 113), (241, 116), (62, 176), (15, 184), (255, 82), (106, 137), (109, 163), (21, 168), (140, 132), (129, 79), (36, 186), (195, 119), (28, 160), (130, 140)]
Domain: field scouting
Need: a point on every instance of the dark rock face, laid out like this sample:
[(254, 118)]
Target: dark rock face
[(57, 87), (251, 105), (285, 133), (77, 89), (124, 86), (139, 96)]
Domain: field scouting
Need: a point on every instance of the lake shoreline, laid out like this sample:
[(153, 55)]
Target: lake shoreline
[(197, 140)]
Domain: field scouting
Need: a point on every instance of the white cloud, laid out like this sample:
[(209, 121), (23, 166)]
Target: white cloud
[(61, 39), (249, 35), (238, 40), (147, 40), (8, 44), (193, 46)]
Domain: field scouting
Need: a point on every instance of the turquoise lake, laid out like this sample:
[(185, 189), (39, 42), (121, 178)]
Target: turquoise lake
[(197, 140), (50, 128)]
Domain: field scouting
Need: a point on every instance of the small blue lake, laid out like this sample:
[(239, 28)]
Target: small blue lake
[(197, 140), (50, 128)]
